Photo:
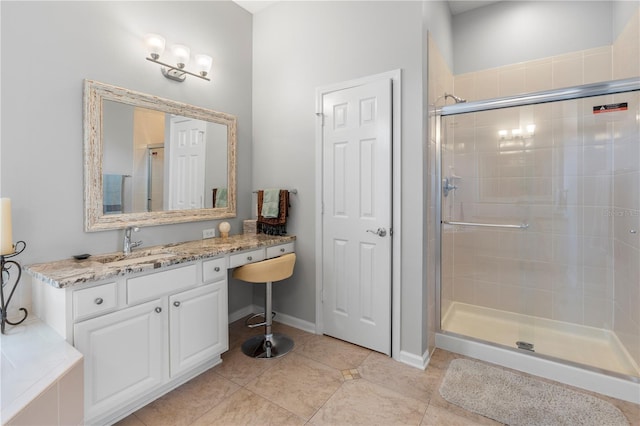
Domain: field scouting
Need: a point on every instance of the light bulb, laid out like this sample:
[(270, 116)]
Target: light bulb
[(155, 43), (203, 64), (181, 53)]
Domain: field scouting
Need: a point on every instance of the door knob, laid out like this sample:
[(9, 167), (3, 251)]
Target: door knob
[(381, 232)]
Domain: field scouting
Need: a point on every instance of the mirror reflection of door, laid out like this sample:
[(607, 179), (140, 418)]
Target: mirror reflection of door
[(142, 181), (148, 131), (187, 153), (155, 178)]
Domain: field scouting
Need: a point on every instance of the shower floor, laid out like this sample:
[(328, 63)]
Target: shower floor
[(584, 345)]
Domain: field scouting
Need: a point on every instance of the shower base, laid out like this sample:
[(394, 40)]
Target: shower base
[(577, 344)]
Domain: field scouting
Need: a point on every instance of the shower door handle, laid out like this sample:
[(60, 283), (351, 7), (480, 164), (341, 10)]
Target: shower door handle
[(380, 232)]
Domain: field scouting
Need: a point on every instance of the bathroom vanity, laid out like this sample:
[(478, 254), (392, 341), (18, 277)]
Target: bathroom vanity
[(146, 322)]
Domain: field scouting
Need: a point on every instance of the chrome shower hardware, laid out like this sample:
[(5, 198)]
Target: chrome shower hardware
[(457, 99), (448, 186)]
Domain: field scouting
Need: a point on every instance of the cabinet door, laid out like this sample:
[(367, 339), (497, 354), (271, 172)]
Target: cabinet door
[(197, 326), (123, 355)]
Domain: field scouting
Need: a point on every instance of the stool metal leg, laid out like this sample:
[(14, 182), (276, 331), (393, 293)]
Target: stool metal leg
[(270, 345)]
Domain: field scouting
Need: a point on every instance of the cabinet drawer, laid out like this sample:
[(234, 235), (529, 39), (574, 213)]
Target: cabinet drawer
[(214, 269), (94, 300), (279, 250), (245, 257), (154, 285)]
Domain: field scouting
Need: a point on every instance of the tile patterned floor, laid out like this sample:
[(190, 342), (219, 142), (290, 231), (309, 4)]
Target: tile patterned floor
[(323, 381)]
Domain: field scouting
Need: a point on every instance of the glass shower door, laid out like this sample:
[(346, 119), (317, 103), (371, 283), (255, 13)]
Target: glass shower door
[(537, 228)]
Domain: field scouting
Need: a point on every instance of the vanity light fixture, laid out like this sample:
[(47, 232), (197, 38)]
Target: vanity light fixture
[(156, 44)]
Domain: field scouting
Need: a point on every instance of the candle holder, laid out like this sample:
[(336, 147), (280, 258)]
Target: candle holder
[(6, 269)]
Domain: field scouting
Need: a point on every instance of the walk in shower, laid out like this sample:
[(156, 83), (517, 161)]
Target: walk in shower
[(540, 226)]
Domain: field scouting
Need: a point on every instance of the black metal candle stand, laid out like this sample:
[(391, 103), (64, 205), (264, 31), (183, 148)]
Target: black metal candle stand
[(7, 267)]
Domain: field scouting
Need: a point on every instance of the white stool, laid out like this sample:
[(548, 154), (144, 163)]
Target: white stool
[(269, 345)]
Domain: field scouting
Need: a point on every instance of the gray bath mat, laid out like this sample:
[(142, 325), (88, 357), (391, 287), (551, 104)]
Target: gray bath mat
[(517, 400)]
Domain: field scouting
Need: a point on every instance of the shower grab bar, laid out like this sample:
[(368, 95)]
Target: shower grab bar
[(487, 225)]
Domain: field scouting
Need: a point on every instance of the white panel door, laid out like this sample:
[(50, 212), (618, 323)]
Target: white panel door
[(187, 163), (356, 221)]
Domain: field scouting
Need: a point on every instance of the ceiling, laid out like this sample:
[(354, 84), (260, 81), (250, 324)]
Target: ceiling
[(459, 6), (455, 6), (254, 6)]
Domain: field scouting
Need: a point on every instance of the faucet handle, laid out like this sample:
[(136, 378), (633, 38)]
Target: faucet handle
[(128, 229)]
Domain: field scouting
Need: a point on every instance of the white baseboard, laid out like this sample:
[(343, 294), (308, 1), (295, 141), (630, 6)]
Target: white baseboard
[(281, 318), (243, 312), (414, 360), (294, 322)]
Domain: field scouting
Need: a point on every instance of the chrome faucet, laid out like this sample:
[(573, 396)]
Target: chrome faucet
[(127, 244)]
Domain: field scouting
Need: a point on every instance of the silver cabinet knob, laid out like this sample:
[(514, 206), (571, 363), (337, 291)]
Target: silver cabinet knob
[(98, 301), (158, 309), (217, 269), (249, 258), (176, 303), (282, 250)]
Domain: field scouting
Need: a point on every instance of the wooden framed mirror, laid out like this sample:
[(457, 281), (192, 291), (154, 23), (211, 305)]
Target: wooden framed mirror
[(153, 161)]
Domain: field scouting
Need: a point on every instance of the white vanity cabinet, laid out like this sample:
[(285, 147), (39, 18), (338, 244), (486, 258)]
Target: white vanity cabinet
[(123, 354), (159, 328), (151, 327), (198, 328)]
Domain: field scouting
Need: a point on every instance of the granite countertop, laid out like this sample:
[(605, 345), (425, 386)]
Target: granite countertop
[(69, 272)]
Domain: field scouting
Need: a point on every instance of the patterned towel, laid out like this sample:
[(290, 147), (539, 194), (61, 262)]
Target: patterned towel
[(278, 225), (221, 198)]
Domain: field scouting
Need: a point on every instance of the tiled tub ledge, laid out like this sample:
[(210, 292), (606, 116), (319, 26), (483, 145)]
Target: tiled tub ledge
[(42, 377)]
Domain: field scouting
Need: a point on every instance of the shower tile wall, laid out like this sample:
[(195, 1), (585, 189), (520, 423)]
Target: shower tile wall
[(579, 172)]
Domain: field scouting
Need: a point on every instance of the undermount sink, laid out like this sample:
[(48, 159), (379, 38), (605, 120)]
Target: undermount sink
[(134, 258)]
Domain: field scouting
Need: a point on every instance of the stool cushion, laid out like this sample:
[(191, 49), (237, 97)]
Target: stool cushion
[(275, 269)]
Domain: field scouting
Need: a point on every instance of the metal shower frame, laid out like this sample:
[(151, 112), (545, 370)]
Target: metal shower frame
[(547, 96)]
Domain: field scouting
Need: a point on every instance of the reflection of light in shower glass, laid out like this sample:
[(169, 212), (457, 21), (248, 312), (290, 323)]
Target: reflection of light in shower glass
[(518, 133)]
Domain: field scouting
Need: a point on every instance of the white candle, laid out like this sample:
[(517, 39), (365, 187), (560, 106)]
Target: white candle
[(6, 237)]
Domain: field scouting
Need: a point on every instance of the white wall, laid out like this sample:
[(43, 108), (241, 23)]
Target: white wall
[(48, 48), (509, 32), (439, 23), (299, 46)]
